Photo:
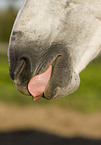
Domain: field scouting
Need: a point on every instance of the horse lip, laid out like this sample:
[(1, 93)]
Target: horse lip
[(22, 89)]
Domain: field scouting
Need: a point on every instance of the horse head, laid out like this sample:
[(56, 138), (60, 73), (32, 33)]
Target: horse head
[(52, 41)]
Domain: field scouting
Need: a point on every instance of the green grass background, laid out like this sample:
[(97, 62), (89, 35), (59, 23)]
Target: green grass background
[(86, 99)]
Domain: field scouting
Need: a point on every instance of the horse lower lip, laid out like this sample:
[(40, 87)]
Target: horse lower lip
[(23, 89)]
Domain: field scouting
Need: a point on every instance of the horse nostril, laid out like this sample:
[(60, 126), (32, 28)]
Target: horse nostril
[(20, 73), (19, 68)]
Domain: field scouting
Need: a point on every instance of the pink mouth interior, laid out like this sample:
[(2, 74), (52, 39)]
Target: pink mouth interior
[(38, 83)]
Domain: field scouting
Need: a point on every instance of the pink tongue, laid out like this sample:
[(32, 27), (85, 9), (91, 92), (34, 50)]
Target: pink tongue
[(38, 84)]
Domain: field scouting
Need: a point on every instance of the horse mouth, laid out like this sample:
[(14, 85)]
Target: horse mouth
[(36, 85)]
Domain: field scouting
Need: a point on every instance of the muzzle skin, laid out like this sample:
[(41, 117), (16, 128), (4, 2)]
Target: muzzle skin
[(64, 35)]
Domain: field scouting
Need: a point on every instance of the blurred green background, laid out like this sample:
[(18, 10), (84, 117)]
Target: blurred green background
[(86, 99)]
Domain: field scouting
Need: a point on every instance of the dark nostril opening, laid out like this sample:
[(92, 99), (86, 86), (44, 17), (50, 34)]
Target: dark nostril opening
[(22, 71), (19, 68)]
